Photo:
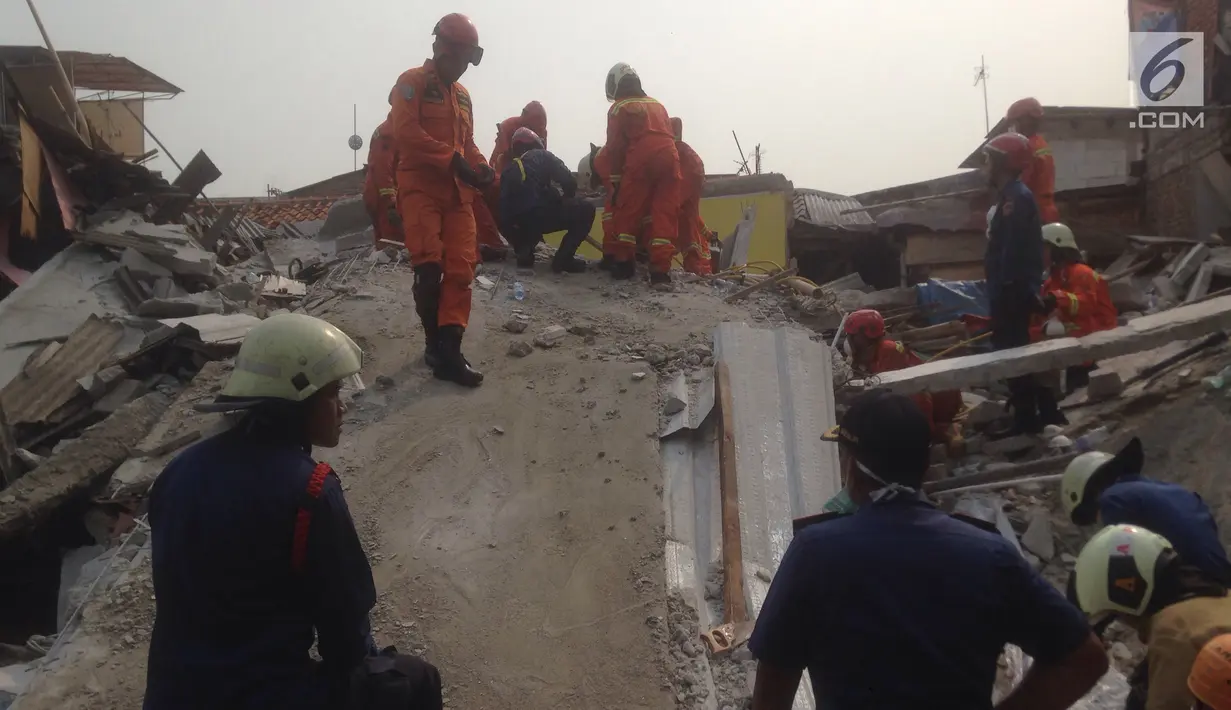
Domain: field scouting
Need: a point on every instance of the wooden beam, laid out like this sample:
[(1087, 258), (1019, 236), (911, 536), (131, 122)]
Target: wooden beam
[(735, 608)]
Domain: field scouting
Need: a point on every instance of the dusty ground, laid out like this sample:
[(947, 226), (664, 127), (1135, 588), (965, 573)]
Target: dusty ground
[(515, 531)]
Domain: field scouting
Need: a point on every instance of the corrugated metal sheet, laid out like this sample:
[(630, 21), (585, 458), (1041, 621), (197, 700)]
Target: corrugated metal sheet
[(824, 209), (34, 396), (782, 394)]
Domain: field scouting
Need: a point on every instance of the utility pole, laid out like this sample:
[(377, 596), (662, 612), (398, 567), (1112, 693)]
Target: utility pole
[(355, 132), (742, 162), (756, 155), (981, 78)]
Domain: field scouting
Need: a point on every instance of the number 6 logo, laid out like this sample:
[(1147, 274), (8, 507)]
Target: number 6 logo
[(1157, 64)]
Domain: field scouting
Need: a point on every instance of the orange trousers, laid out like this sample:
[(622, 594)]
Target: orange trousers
[(486, 206), (693, 241), (443, 231), (649, 191), (378, 210)]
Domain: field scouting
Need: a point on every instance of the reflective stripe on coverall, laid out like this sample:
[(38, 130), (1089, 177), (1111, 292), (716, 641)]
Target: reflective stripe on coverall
[(380, 185), (1083, 301), (602, 168), (1040, 177), (431, 122), (647, 167), (940, 407), (693, 236), (485, 210)]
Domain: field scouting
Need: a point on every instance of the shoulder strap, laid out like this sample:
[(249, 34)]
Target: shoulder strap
[(303, 519)]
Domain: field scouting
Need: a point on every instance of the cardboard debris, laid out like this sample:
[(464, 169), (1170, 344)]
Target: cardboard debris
[(1145, 333)]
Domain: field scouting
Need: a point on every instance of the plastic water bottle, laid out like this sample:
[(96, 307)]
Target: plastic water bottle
[(1091, 439), (519, 291)]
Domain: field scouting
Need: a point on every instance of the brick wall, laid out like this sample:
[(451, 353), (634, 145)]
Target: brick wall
[(1170, 203), (1202, 16)]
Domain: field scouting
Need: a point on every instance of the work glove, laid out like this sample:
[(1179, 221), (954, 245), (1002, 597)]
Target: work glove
[(464, 172)]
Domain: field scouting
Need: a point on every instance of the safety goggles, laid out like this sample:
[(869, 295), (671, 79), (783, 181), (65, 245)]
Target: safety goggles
[(472, 54)]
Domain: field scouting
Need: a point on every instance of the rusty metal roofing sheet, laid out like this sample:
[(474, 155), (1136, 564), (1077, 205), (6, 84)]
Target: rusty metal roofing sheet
[(32, 397), (87, 70), (824, 209)]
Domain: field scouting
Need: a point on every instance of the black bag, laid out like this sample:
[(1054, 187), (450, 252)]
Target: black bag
[(393, 681)]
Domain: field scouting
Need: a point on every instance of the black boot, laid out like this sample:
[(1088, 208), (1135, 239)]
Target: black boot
[(571, 265), (426, 291), (1049, 409), (623, 270), (659, 277), (453, 366), (607, 262), (1025, 405), (526, 260)]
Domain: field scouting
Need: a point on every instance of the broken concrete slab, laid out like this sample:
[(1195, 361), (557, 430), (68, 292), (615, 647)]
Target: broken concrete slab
[(1104, 384), (674, 405), (1145, 333), (1165, 288), (124, 392), (194, 304), (218, 329), (1038, 537), (78, 464), (169, 245), (1126, 295), (142, 267), (1201, 283), (550, 336), (1188, 265)]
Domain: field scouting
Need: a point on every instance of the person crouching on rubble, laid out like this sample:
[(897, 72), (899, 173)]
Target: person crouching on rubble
[(1210, 678), (1098, 488), (255, 553), (1137, 576), (1075, 296), (900, 605), (873, 353), (531, 205)]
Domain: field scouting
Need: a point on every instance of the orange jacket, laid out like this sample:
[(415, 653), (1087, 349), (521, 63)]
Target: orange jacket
[(382, 163), (636, 126), (431, 122), (692, 169), (504, 141), (939, 408), (1040, 177), (1083, 301)]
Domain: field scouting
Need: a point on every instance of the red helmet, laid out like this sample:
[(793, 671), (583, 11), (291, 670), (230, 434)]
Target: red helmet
[(1023, 108), (868, 323), (458, 29), (1012, 148), (525, 136), (677, 127), (535, 115)]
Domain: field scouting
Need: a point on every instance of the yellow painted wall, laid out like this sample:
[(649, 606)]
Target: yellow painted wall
[(722, 214)]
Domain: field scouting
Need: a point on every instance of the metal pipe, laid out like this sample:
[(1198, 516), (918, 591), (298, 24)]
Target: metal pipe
[(78, 114)]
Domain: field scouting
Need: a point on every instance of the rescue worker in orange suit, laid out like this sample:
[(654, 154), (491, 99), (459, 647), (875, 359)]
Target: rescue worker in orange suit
[(693, 235), (487, 210), (872, 353), (645, 175), (594, 173), (1040, 174), (380, 185), (1075, 296), (440, 173)]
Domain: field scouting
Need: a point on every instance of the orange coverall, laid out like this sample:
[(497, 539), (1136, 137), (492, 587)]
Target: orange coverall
[(644, 162), (380, 185), (1040, 177), (939, 407), (693, 235), (431, 122), (1083, 301)]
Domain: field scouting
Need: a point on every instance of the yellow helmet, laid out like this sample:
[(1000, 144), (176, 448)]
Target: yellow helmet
[(617, 74), (1059, 235), (1078, 496), (291, 357), (1115, 571)]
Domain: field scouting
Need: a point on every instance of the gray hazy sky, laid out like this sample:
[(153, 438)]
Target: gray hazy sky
[(842, 96)]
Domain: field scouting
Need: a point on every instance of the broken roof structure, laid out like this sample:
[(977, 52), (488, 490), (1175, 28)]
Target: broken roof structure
[(87, 70)]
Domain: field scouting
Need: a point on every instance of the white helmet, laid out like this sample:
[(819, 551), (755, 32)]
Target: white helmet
[(290, 357), (1078, 496), (1116, 570), (585, 172), (617, 74), (1059, 235)]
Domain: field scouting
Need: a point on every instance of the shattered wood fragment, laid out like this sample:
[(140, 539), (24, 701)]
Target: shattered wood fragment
[(79, 464), (9, 464)]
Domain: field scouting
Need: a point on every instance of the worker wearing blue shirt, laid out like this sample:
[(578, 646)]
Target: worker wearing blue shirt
[(1099, 488), (900, 605), (1013, 264), (538, 195), (255, 555)]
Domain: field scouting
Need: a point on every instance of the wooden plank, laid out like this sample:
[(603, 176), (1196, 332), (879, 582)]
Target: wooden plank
[(31, 179), (735, 608)]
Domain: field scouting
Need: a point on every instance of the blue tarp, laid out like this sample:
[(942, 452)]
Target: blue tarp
[(943, 301)]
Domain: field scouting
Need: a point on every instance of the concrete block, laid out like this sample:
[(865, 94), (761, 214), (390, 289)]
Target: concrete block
[(1104, 384), (1166, 289), (140, 266), (550, 336), (182, 307), (985, 413), (1127, 296), (1189, 264), (1139, 335), (1038, 537), (1201, 284)]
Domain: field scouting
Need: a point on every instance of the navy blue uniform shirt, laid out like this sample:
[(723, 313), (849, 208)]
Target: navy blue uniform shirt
[(234, 622), (1015, 241), (528, 185), (902, 606), (1172, 511)]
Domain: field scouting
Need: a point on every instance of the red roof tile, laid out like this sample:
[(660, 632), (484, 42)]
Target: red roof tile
[(271, 212)]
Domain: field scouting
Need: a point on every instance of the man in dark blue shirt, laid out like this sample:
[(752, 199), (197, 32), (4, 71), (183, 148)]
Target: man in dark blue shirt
[(1099, 488), (900, 605), (1013, 264), (531, 204), (255, 554)]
